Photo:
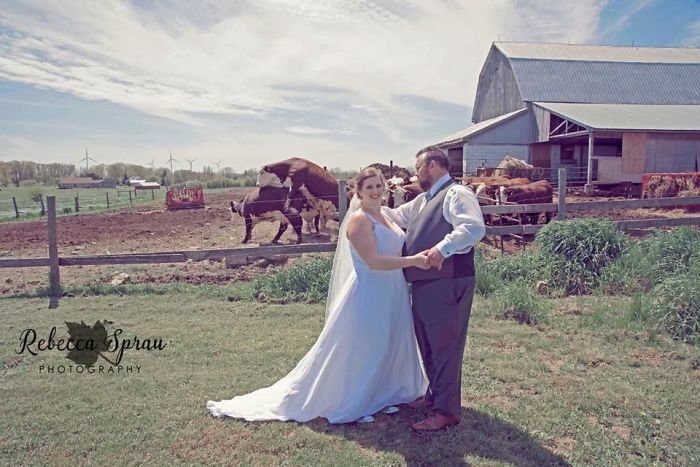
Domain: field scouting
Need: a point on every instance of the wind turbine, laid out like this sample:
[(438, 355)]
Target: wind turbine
[(153, 163), (190, 161), (171, 160), (218, 166), (87, 160)]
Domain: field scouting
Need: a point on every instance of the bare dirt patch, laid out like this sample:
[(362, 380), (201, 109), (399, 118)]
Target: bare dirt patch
[(139, 230)]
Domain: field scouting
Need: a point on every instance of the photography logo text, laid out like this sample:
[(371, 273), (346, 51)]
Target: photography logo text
[(85, 345)]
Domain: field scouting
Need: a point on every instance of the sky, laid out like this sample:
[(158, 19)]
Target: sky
[(344, 83)]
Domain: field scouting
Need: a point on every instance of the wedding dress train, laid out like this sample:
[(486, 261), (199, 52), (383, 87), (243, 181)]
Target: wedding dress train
[(366, 357)]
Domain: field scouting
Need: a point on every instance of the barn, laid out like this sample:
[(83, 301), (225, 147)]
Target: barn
[(607, 114), (86, 182)]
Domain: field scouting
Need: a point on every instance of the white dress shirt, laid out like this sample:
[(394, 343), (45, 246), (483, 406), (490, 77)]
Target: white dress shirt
[(460, 208)]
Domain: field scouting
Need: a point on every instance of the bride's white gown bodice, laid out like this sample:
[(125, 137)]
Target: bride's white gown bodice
[(366, 357)]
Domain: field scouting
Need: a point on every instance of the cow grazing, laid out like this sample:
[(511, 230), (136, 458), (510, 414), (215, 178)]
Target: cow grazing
[(267, 204), (533, 193)]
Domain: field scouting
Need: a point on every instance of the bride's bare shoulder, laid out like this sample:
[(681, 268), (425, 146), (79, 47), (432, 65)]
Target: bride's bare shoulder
[(359, 220)]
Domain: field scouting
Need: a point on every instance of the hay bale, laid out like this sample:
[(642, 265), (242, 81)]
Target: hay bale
[(517, 168)]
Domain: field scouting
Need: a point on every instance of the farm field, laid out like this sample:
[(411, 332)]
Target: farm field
[(90, 200), (151, 228), (582, 390)]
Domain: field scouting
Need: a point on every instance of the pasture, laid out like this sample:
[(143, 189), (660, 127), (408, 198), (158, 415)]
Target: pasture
[(90, 200), (587, 388)]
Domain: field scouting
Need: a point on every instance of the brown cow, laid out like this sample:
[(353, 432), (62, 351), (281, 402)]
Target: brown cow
[(267, 204), (490, 187), (474, 181), (301, 172), (533, 193)]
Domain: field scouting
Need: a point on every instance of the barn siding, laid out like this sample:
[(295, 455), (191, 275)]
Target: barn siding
[(634, 152), (493, 154), (517, 130), (497, 91), (672, 152)]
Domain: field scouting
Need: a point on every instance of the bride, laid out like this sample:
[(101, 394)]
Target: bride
[(366, 358)]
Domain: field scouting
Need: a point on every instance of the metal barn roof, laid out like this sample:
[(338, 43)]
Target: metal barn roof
[(598, 53), (462, 135), (603, 74), (626, 117)]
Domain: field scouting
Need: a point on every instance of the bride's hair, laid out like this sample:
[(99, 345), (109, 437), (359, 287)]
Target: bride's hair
[(365, 174)]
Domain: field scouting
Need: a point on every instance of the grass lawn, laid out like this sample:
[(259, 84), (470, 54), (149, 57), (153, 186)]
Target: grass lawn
[(582, 390), (89, 200)]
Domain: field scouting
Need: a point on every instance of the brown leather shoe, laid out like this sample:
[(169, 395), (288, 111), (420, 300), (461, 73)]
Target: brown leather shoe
[(420, 403), (436, 422)]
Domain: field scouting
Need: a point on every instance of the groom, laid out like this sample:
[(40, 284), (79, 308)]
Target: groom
[(445, 221)]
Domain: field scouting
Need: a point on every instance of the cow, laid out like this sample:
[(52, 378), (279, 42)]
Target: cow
[(475, 181), (492, 184), (533, 193), (301, 172), (394, 192), (267, 204)]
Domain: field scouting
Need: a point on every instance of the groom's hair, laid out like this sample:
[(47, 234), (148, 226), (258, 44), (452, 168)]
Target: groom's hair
[(437, 155)]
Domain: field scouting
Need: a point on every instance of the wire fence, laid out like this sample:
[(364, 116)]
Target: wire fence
[(30, 202), (576, 176)]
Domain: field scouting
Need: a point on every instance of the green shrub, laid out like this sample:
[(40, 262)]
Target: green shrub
[(221, 182), (488, 279), (520, 302), (650, 260), (573, 253), (305, 281), (675, 305)]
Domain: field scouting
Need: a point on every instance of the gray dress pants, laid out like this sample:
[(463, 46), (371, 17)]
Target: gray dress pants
[(441, 311)]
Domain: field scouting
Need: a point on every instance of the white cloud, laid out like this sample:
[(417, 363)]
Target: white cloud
[(693, 35), (261, 58), (623, 17)]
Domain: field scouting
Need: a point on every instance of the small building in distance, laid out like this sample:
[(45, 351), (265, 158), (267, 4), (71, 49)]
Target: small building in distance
[(86, 182)]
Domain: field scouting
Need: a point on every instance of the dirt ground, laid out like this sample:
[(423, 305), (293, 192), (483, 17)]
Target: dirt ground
[(153, 228), (139, 229)]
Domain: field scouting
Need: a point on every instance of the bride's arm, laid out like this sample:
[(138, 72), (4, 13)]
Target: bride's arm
[(361, 236)]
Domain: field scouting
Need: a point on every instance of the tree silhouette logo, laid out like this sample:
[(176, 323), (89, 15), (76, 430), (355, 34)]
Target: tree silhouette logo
[(88, 343)]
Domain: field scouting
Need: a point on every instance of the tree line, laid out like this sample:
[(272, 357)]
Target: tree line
[(18, 173)]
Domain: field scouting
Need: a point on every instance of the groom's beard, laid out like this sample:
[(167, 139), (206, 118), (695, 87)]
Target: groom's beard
[(425, 184)]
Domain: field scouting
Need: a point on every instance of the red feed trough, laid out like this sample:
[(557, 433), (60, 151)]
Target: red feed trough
[(184, 198)]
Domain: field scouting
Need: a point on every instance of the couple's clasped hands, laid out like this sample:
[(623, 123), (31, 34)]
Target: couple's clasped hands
[(429, 259)]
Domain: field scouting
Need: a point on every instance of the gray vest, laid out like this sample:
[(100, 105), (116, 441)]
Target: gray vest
[(427, 230)]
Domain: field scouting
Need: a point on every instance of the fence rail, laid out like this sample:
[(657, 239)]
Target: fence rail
[(560, 207)]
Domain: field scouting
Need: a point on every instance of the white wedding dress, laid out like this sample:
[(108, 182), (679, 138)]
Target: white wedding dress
[(365, 359)]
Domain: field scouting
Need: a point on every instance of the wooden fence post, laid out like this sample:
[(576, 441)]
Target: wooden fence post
[(342, 200), (77, 204), (130, 203), (54, 276), (43, 209), (153, 194), (561, 213), (107, 193), (14, 201)]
